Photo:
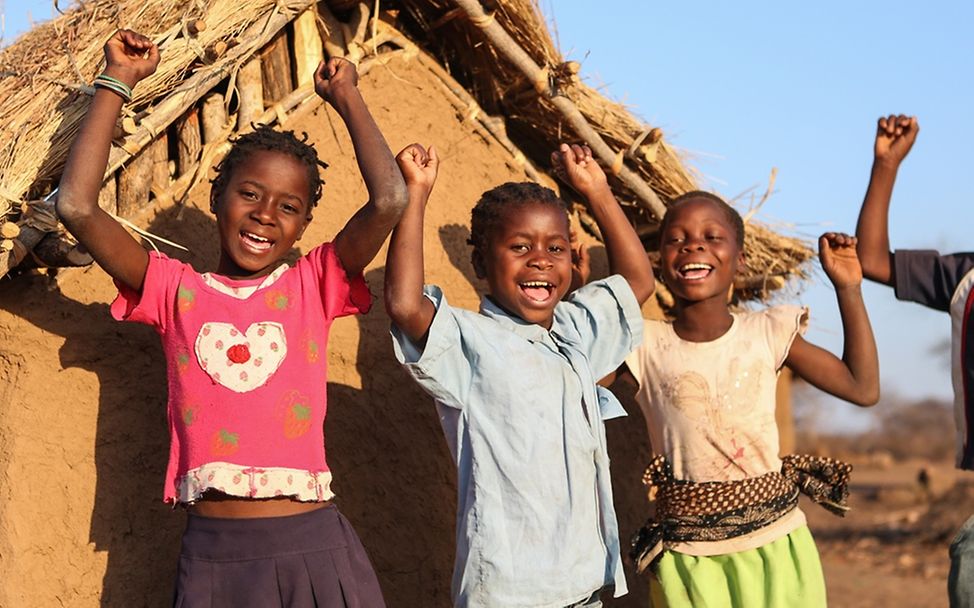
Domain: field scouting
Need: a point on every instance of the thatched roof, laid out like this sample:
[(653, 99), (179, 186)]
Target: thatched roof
[(45, 75)]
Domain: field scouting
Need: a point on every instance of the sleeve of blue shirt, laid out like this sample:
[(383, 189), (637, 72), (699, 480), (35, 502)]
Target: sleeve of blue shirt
[(608, 323), (928, 278), (441, 367)]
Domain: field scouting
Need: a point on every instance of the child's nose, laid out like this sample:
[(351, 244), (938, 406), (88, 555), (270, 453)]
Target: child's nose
[(264, 213), (541, 261)]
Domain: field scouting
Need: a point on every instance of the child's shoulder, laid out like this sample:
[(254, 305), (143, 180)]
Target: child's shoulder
[(777, 326), (780, 316), (162, 267)]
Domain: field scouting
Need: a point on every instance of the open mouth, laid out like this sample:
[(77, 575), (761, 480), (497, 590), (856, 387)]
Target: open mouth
[(538, 291), (695, 271), (256, 242)]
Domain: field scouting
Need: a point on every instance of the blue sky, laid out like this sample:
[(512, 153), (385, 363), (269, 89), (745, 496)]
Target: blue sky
[(747, 86)]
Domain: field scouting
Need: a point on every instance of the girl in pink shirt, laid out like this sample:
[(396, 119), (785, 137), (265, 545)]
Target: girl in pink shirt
[(244, 345)]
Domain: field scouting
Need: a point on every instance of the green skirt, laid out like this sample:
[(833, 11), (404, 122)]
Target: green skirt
[(785, 573)]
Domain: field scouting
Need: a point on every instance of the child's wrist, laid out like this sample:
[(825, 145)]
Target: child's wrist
[(128, 76), (884, 163), (852, 289), (342, 96), (598, 193)]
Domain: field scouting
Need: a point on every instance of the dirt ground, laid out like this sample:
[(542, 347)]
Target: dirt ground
[(891, 548)]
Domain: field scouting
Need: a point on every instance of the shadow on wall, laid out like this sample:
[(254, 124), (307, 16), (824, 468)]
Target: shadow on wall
[(395, 478), (129, 521)]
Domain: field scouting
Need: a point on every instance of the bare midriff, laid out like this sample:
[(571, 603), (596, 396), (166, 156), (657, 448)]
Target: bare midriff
[(217, 504)]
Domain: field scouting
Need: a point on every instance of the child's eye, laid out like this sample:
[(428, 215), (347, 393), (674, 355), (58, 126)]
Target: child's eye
[(289, 208), (714, 237), (249, 194), (556, 249), (518, 247)]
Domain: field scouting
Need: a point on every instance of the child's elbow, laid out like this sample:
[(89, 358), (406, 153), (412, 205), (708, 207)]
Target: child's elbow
[(642, 290), (868, 397), (399, 309), (394, 199), (69, 210)]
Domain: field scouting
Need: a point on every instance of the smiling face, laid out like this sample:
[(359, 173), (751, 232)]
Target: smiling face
[(261, 212), (699, 251), (527, 261)]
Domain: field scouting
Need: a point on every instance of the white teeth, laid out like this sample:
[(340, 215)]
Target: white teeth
[(255, 237), (536, 284), (696, 266)]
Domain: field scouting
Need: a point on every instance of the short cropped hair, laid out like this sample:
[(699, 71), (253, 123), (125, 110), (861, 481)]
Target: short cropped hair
[(266, 138), (733, 217)]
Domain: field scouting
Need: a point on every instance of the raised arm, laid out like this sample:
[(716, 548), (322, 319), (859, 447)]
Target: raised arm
[(129, 57), (575, 165), (360, 240), (408, 308), (854, 377), (894, 138)]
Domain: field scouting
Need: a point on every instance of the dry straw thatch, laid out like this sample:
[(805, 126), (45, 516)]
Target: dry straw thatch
[(46, 73)]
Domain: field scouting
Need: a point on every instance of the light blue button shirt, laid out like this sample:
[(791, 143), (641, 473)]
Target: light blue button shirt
[(523, 417)]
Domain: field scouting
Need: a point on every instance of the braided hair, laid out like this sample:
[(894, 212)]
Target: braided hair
[(266, 138), (733, 217), (489, 210)]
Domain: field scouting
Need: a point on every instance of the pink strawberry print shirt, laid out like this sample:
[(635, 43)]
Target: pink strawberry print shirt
[(247, 372)]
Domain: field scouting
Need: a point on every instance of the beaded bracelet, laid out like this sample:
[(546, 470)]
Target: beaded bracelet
[(114, 85)]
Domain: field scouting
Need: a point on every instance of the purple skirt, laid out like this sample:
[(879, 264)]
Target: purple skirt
[(299, 561)]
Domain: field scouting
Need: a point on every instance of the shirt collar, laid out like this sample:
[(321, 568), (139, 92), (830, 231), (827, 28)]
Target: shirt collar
[(528, 331)]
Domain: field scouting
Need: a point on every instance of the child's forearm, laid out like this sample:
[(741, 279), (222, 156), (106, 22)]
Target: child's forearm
[(408, 308), (121, 256), (859, 351), (87, 159), (383, 180), (626, 254), (872, 230), (359, 242)]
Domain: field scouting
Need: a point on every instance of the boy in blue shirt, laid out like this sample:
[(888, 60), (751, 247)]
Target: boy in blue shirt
[(515, 385)]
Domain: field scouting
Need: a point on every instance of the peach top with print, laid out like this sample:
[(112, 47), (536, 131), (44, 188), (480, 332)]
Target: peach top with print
[(247, 372), (710, 406)]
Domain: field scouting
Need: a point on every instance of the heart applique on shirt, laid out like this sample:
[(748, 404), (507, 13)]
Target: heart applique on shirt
[(241, 360)]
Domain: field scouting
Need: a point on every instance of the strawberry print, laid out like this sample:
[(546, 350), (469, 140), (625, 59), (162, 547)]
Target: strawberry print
[(188, 415), (185, 299), (225, 443), (297, 414), (312, 351), (239, 353), (182, 363), (277, 300)]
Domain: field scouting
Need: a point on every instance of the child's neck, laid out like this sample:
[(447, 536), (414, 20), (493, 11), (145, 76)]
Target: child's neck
[(227, 268), (702, 321)]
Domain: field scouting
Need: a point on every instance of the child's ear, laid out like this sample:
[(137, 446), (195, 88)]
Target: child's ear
[(479, 267)]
